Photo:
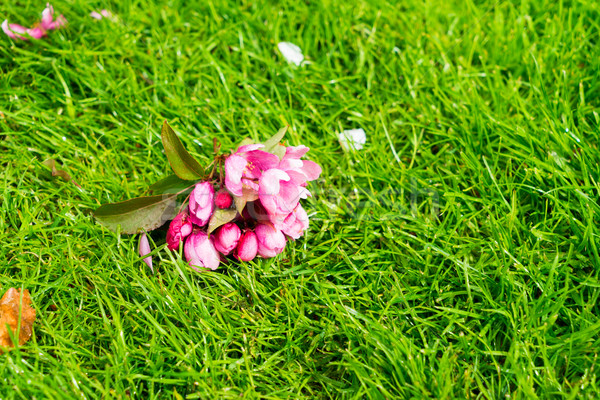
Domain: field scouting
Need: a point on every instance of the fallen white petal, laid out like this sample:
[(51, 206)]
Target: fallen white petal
[(103, 14), (353, 139), (291, 52)]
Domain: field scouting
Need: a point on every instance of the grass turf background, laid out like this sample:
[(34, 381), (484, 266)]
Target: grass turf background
[(456, 256)]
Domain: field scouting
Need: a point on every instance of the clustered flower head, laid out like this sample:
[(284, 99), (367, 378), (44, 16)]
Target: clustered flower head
[(39, 30), (257, 203)]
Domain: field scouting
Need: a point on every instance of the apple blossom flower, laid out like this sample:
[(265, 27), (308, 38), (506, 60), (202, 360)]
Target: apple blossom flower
[(291, 52), (144, 249), (201, 203), (47, 23), (179, 229), (200, 251), (271, 240), (295, 223), (247, 247), (291, 162), (244, 167), (223, 199), (280, 192), (227, 238)]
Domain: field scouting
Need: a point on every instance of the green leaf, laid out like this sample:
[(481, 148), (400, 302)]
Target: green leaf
[(245, 142), (271, 144), (240, 201), (170, 184), (182, 163), (139, 214), (220, 217), (279, 151)]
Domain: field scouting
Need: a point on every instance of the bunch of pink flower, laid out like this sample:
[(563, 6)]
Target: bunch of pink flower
[(257, 208), (39, 30)]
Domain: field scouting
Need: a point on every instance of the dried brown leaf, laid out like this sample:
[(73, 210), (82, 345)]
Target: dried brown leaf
[(10, 309), (51, 163)]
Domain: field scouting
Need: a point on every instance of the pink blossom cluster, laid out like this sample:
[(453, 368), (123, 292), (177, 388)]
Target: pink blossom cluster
[(39, 30), (269, 189)]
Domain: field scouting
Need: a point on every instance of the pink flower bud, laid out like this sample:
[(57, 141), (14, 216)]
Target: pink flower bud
[(201, 203), (271, 240), (144, 249), (223, 199), (227, 237), (247, 247), (200, 251), (179, 229)]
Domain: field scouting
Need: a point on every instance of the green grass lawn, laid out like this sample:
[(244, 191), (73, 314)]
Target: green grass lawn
[(455, 256)]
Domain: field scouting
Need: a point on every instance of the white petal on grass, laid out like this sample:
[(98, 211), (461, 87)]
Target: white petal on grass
[(103, 14), (353, 139), (291, 52)]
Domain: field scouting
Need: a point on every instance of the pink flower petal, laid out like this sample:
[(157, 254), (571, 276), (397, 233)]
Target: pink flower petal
[(271, 241), (250, 184), (47, 18), (96, 15), (13, 30), (247, 247), (249, 147), (295, 152), (262, 160), (234, 168), (269, 181), (60, 21), (144, 249), (36, 33), (311, 169), (200, 251)]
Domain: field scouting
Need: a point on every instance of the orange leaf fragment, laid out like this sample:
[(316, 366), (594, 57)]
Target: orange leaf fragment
[(10, 305)]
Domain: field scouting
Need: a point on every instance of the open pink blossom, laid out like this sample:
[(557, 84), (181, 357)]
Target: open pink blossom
[(295, 223), (144, 250), (280, 192), (200, 251), (179, 229), (47, 23), (244, 168), (247, 247), (291, 161), (201, 203), (271, 240), (227, 238)]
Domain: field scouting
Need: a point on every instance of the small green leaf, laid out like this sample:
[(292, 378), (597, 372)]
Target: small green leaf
[(221, 217), (274, 140), (279, 151), (240, 201), (139, 214), (245, 142), (182, 163), (170, 184)]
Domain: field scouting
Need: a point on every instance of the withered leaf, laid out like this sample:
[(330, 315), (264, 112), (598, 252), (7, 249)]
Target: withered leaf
[(10, 305), (51, 163)]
